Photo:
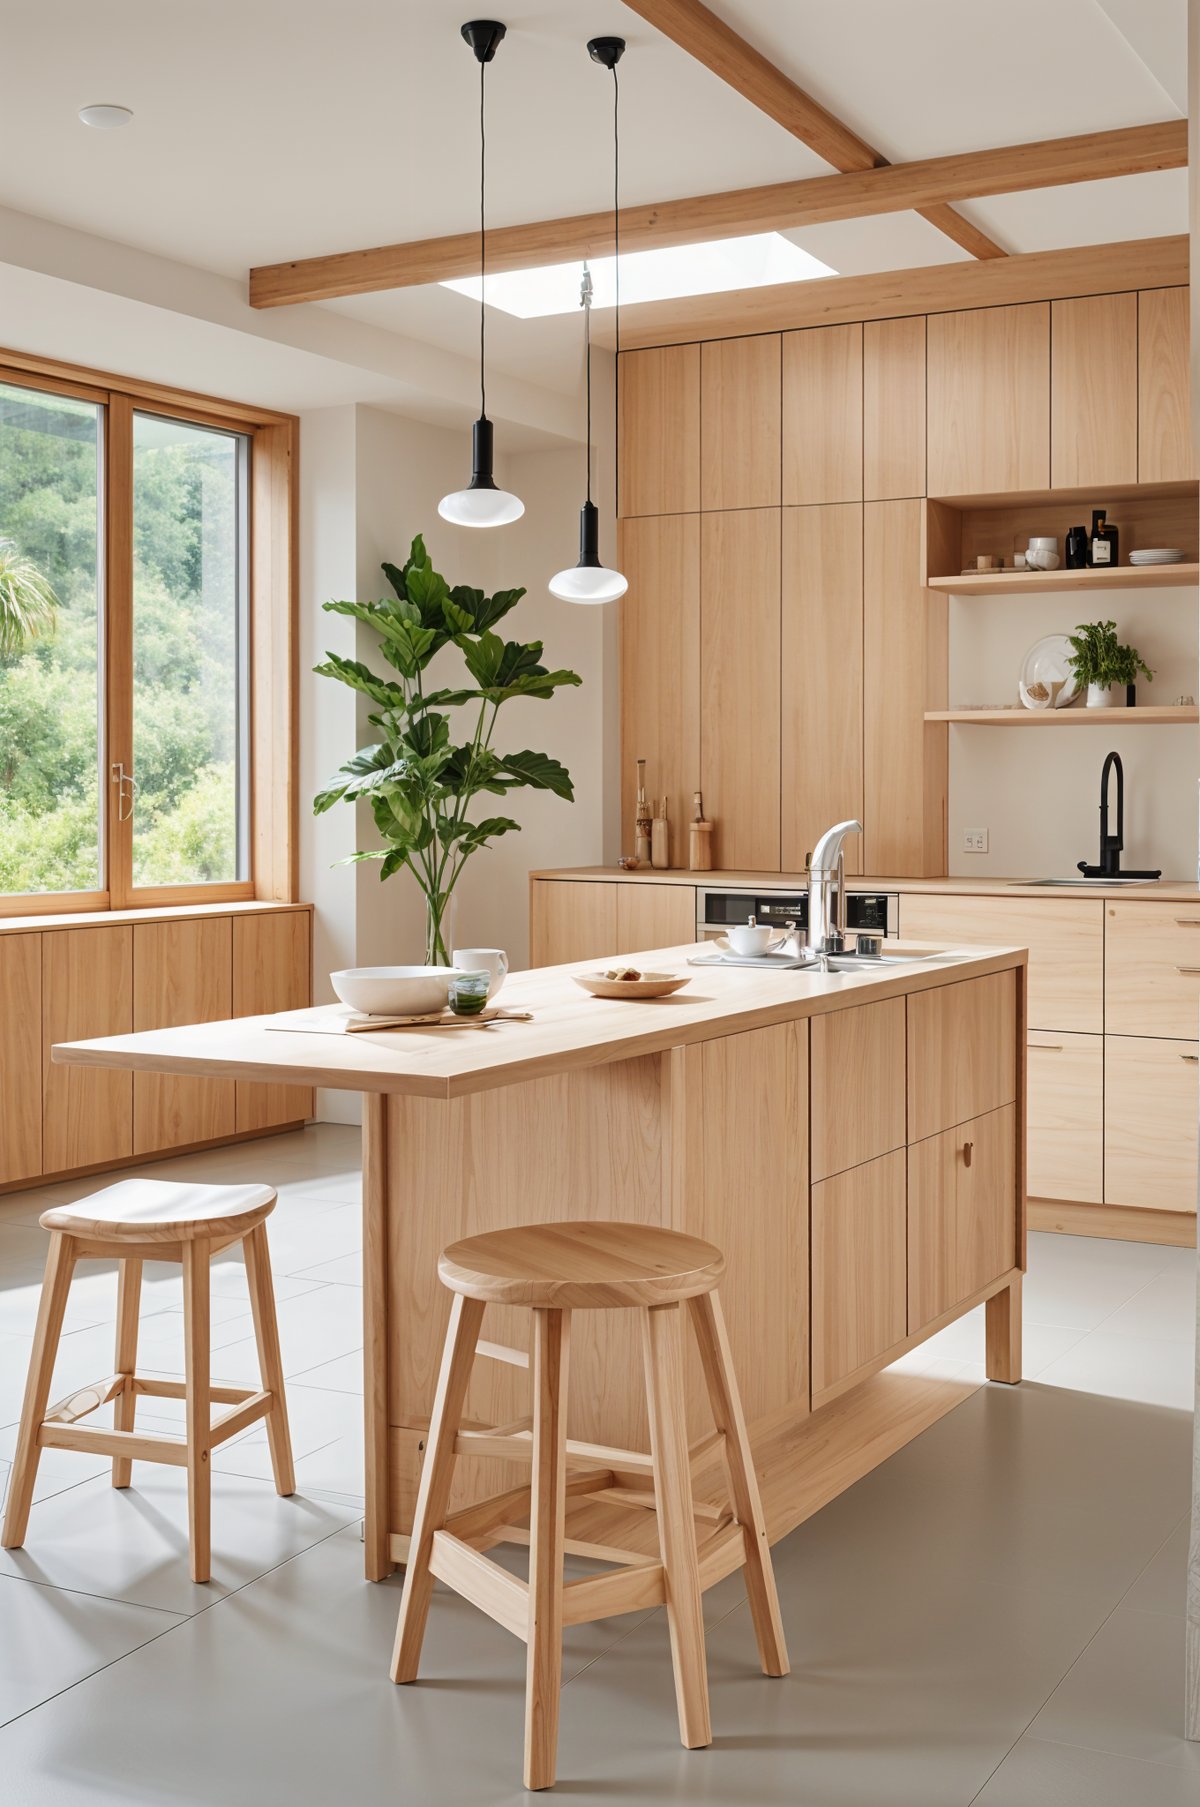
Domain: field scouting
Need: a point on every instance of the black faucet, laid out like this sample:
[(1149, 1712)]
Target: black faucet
[(1111, 845)]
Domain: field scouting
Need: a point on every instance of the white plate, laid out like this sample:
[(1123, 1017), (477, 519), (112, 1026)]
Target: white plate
[(1047, 663), (1157, 555)]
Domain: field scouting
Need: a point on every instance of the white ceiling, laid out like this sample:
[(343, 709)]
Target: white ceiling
[(286, 128)]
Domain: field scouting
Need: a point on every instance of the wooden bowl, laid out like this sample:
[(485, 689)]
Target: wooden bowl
[(650, 985)]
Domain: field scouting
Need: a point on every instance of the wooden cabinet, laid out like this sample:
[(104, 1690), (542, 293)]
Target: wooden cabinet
[(739, 687), (1064, 1116), (962, 1221), (822, 414), (660, 660), (962, 1056), (859, 1307), (20, 1057), (904, 674), (660, 430), (272, 970), (87, 990), (893, 408), (571, 919), (182, 973), (650, 916), (1150, 1123), (1065, 938), (989, 400), (1094, 391), (1152, 970), (821, 752), (1166, 453), (858, 1086), (739, 422)]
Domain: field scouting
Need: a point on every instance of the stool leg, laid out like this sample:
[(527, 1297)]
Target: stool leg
[(60, 1263), (437, 1471), (543, 1665), (708, 1321), (129, 1297), (663, 1352), (270, 1362), (199, 1405)]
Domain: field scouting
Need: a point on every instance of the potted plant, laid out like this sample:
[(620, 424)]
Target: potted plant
[(419, 781), (1099, 660), (28, 605)]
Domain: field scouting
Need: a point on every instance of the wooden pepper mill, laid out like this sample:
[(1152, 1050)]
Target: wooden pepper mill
[(699, 837), (660, 839)]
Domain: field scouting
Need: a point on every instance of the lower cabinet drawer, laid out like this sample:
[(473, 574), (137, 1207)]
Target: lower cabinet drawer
[(858, 1268), (962, 1213), (1150, 1122), (1064, 1103), (1152, 969)]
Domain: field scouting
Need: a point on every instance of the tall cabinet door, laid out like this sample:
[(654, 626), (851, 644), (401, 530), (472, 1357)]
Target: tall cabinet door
[(1093, 391), (660, 430), (822, 414), (739, 685), (1165, 450), (660, 664), (822, 679), (740, 422), (182, 973), (989, 400), (894, 408), (21, 1056), (904, 674), (87, 990), (272, 970)]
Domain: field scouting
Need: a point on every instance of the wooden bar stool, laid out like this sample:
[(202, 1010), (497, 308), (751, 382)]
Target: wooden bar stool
[(555, 1269), (154, 1220)]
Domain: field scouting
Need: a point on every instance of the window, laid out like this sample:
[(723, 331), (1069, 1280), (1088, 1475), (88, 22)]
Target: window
[(131, 771)]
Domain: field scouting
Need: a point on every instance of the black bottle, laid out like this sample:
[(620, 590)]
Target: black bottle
[(1077, 548), (1104, 545)]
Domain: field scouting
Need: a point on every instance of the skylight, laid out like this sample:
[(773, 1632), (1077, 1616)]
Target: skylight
[(726, 263)]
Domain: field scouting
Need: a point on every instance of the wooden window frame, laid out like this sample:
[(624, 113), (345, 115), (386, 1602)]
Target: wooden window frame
[(272, 512)]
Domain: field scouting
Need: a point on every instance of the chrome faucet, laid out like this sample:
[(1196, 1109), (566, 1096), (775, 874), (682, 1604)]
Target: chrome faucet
[(827, 891)]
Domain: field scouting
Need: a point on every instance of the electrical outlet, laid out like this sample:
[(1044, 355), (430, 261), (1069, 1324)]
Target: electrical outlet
[(975, 840)]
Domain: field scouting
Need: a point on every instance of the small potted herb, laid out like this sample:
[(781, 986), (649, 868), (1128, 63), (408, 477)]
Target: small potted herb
[(1099, 660)]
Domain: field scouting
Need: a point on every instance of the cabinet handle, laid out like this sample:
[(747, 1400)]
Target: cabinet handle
[(1189, 972), (1192, 1057), (1187, 922), (969, 1151), (1046, 1047)]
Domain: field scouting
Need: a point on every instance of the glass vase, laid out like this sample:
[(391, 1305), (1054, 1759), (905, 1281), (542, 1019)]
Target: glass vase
[(440, 913)]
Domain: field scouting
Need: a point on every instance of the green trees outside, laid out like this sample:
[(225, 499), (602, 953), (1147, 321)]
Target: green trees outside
[(185, 652)]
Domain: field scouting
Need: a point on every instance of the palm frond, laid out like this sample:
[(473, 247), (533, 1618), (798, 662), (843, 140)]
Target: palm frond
[(28, 604)]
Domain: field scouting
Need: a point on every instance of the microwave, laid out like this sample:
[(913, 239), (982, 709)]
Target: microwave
[(874, 912)]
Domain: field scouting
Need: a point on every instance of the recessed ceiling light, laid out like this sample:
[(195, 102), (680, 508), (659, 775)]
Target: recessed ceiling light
[(753, 262), (105, 117)]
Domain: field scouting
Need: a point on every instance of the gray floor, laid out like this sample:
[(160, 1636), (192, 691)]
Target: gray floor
[(994, 1616)]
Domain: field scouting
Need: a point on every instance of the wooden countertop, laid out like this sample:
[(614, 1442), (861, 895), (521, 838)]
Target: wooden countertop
[(107, 919), (1166, 890), (570, 1029)]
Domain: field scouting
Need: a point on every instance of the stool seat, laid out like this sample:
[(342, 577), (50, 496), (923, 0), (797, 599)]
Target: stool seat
[(581, 1266), (162, 1211)]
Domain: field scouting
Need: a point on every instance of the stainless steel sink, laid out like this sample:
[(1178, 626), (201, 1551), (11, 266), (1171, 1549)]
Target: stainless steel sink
[(1021, 883)]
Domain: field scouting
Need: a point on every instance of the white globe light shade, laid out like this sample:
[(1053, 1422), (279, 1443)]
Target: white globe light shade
[(588, 583), (481, 508)]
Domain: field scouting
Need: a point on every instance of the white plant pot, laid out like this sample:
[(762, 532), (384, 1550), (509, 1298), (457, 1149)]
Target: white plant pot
[(1099, 696)]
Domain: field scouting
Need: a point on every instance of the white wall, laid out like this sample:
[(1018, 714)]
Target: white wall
[(1037, 790)]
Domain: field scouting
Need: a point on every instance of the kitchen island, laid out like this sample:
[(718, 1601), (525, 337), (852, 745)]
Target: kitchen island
[(853, 1141)]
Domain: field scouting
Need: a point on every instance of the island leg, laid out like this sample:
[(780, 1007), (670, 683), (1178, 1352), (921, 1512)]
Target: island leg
[(377, 1558), (1004, 1333)]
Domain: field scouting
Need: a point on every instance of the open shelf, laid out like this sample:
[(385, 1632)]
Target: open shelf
[(1144, 716), (1118, 577)]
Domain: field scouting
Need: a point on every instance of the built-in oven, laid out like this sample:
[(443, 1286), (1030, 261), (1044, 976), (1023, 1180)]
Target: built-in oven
[(873, 911)]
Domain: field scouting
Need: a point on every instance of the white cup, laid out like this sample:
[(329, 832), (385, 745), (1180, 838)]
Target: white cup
[(492, 960), (746, 940)]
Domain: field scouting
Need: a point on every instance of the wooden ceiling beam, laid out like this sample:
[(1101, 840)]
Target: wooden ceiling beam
[(699, 31), (925, 186)]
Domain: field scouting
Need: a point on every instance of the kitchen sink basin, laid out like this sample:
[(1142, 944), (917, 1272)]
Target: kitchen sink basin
[(1084, 883)]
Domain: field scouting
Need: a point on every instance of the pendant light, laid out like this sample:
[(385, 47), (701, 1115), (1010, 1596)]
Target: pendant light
[(482, 503), (589, 580)]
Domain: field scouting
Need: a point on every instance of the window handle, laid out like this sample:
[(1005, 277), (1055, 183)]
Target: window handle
[(126, 785)]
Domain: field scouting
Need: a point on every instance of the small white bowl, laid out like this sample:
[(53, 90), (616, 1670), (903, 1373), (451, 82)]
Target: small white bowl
[(748, 941), (393, 990)]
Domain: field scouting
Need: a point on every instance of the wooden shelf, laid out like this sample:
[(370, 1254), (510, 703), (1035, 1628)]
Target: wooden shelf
[(1119, 577), (1146, 715)]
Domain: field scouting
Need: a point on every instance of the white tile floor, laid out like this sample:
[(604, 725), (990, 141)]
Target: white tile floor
[(993, 1616)]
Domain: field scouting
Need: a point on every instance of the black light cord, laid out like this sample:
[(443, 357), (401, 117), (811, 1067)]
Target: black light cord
[(617, 287), (482, 250), (586, 301)]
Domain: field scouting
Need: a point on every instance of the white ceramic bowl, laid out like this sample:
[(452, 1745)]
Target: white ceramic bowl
[(748, 941), (1041, 558), (393, 990)]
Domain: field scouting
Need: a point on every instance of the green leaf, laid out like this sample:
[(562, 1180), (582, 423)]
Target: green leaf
[(408, 647), (485, 611), (370, 769), (536, 771), (532, 683), (361, 677), (484, 658), (395, 577)]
